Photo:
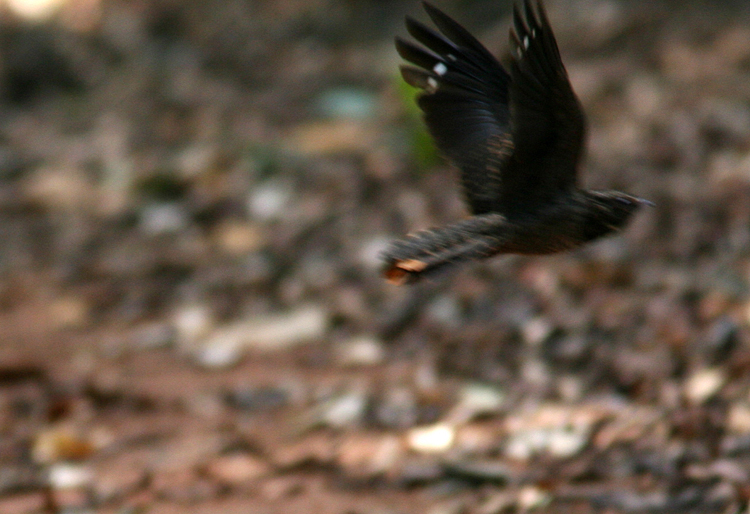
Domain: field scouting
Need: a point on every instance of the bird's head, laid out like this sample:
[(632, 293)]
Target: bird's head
[(609, 211)]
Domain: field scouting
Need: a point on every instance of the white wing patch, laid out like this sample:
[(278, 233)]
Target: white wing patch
[(440, 68)]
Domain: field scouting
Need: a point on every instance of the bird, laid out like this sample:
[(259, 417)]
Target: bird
[(517, 136)]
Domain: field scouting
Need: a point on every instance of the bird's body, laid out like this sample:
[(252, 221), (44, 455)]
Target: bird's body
[(516, 137)]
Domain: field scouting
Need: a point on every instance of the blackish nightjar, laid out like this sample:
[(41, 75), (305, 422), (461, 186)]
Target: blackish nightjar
[(516, 135)]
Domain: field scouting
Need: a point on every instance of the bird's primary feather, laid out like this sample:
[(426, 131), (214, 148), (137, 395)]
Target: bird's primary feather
[(465, 103)]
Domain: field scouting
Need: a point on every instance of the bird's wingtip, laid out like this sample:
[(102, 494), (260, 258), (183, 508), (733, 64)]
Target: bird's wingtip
[(427, 6)]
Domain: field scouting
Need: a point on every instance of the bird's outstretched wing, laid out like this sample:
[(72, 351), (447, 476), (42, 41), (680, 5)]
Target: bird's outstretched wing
[(465, 103), (547, 121), (515, 137)]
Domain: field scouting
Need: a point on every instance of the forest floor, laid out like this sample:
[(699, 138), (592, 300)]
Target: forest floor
[(193, 198)]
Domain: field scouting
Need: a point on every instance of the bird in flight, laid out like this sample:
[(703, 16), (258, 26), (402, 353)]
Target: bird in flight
[(517, 137)]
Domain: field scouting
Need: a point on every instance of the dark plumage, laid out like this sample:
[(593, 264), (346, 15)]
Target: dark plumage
[(517, 136)]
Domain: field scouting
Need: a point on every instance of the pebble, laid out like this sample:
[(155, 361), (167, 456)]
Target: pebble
[(219, 353), (704, 384), (531, 497), (226, 346), (196, 159), (279, 331), (61, 188), (35, 12), (563, 443), (347, 103), (738, 418), (69, 476), (388, 453), (481, 399), (436, 438), (524, 445), (163, 218), (238, 238), (536, 331), (237, 469), (364, 350), (476, 400), (192, 323), (344, 410), (269, 201), (70, 312), (556, 430)]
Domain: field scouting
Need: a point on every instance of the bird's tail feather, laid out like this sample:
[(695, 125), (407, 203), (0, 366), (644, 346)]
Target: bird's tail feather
[(429, 251)]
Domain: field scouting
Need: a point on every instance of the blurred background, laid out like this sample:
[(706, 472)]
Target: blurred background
[(193, 198)]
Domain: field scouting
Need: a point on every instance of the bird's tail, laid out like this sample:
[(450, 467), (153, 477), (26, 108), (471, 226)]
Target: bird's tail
[(428, 251)]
